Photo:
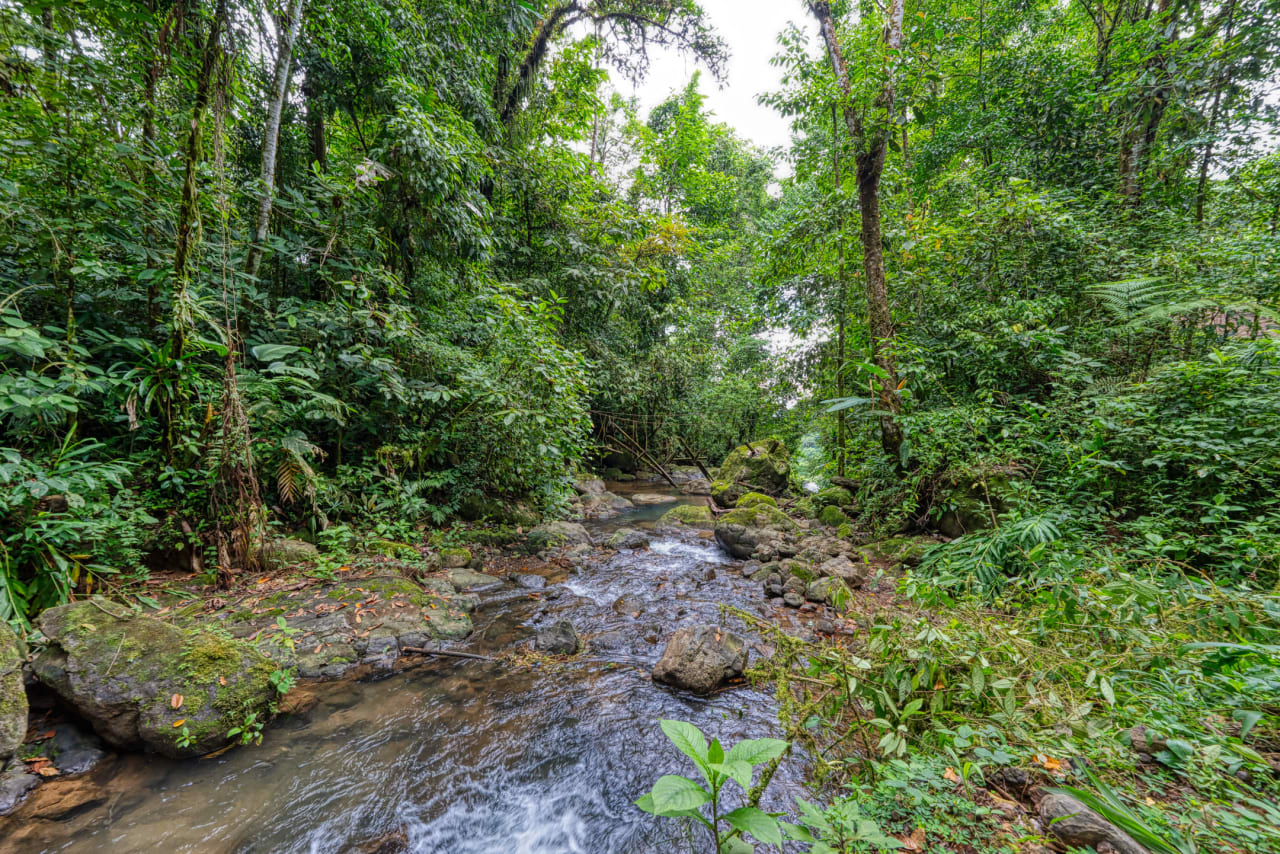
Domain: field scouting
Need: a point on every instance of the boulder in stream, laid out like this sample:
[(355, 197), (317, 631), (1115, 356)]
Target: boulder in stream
[(144, 684), (751, 530), (628, 538), (696, 515), (701, 659), (558, 639), (13, 694)]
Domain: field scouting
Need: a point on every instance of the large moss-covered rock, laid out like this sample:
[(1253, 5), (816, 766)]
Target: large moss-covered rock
[(832, 516), (836, 496), (125, 674), (755, 499), (747, 531), (697, 515), (553, 534), (285, 552), (973, 501), (726, 493), (763, 466), (13, 695)]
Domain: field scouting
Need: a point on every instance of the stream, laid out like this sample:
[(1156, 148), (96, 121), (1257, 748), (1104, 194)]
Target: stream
[(460, 756)]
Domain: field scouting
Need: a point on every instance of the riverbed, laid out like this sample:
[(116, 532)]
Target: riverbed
[(455, 756)]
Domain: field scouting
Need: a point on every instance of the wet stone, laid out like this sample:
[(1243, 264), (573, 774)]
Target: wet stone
[(14, 785), (792, 599), (530, 581), (559, 639), (75, 751)]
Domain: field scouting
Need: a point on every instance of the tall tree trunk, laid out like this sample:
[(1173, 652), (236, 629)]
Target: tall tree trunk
[(842, 291), (1221, 81), (869, 162), (288, 34)]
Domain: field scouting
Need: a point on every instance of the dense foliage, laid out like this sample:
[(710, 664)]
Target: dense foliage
[(330, 261)]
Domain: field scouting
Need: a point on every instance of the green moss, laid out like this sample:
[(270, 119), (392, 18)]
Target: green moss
[(760, 516), (726, 494), (687, 514), (753, 499), (836, 496), (805, 507), (845, 531), (832, 516)]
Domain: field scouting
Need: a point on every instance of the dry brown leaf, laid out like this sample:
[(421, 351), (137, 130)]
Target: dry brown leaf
[(175, 702), (47, 771), (950, 774)]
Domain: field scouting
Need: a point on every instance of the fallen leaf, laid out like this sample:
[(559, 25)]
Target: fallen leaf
[(319, 647), (179, 723), (950, 774), (175, 702), (222, 680), (47, 771)]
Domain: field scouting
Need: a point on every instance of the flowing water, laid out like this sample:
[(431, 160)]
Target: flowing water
[(459, 756)]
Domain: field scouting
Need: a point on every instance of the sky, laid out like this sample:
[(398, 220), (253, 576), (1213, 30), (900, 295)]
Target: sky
[(750, 27)]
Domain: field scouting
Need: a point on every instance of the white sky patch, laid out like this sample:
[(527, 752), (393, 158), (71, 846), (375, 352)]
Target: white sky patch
[(750, 27)]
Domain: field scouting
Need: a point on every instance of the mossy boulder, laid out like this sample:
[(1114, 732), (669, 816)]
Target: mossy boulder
[(455, 558), (285, 552), (125, 674), (754, 499), (973, 501), (726, 494), (13, 695), (833, 496), (553, 534), (903, 550), (697, 515), (763, 466), (747, 530), (832, 516)]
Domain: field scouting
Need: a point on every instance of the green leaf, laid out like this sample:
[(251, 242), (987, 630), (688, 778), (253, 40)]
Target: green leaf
[(674, 795), (687, 739), (1248, 719), (758, 823), (736, 770), (756, 751), (273, 352)]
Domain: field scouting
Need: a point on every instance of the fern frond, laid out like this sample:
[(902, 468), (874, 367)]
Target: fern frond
[(1127, 297)]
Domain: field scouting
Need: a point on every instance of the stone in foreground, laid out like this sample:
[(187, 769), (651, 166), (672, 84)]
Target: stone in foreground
[(559, 639), (13, 694), (140, 682), (1077, 826), (701, 659)]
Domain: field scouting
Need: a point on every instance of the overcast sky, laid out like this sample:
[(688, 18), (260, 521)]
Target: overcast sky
[(751, 28)]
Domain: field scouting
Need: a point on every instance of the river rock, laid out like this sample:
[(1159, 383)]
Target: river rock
[(529, 581), (604, 505), (695, 515), (652, 498), (628, 538), (13, 694), (589, 486), (14, 785), (455, 558), (1077, 826), (467, 580), (852, 574), (74, 751), (701, 659), (753, 531), (559, 533), (822, 590), (121, 673), (773, 585), (792, 599), (559, 639)]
